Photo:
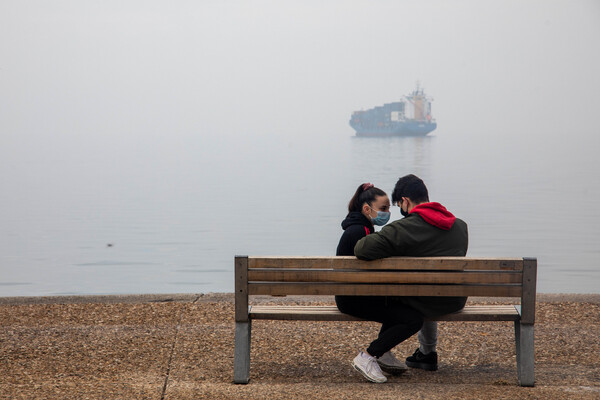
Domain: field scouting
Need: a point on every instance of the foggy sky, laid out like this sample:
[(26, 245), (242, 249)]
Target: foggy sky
[(139, 68)]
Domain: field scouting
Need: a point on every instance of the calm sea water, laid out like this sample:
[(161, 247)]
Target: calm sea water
[(167, 214)]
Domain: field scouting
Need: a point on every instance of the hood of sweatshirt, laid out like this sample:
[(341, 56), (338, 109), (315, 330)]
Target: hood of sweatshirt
[(435, 214), (357, 218)]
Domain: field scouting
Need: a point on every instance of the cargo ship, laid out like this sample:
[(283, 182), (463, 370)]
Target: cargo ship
[(411, 116)]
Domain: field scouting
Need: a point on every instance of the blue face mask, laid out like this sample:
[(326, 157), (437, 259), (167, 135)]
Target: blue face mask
[(382, 217)]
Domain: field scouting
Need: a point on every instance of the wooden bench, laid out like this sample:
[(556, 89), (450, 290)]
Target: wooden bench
[(395, 276)]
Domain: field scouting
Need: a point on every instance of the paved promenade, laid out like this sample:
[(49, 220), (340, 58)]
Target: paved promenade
[(181, 347)]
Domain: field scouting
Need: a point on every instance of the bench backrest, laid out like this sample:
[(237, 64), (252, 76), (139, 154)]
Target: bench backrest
[(394, 276)]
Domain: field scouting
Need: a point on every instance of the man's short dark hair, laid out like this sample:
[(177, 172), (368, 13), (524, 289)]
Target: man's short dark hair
[(412, 187)]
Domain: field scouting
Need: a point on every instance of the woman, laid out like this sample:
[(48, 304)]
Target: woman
[(368, 207)]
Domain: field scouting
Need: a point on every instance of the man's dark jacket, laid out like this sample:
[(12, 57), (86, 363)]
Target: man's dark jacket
[(428, 231)]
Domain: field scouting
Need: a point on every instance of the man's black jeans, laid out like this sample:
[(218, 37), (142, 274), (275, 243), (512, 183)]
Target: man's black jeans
[(398, 321)]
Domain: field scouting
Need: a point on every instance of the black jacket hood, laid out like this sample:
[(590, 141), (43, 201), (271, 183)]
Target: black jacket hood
[(356, 218)]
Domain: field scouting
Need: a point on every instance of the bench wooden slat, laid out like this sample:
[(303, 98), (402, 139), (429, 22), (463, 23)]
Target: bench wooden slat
[(323, 275), (331, 313), (316, 288), (512, 309), (392, 263), (325, 307)]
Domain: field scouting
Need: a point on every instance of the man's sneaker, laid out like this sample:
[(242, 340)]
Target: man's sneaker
[(391, 364), (427, 362), (368, 367)]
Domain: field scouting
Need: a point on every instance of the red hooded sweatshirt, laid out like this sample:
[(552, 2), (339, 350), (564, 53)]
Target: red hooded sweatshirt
[(435, 214)]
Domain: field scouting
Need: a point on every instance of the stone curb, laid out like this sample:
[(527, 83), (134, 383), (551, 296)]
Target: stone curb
[(218, 297)]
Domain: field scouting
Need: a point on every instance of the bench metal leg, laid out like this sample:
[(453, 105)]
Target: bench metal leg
[(525, 353), (241, 363)]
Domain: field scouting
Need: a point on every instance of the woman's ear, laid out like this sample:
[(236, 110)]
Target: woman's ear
[(365, 209)]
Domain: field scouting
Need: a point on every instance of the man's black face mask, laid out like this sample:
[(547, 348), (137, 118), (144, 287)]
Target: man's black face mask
[(404, 213)]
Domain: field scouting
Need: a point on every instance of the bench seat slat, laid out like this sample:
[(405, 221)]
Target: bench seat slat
[(331, 313), (362, 276), (393, 263), (296, 288)]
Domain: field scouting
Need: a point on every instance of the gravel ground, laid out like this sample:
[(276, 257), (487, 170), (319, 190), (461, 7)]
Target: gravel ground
[(181, 347)]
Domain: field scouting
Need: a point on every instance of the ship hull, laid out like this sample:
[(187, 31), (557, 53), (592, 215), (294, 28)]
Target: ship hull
[(399, 129)]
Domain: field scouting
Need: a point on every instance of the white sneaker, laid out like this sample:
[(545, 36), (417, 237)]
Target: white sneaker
[(368, 367), (391, 364)]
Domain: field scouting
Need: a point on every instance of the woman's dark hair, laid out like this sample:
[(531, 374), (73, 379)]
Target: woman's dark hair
[(365, 193), (412, 187)]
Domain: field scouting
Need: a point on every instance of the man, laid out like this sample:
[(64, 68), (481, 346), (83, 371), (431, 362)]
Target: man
[(427, 230)]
